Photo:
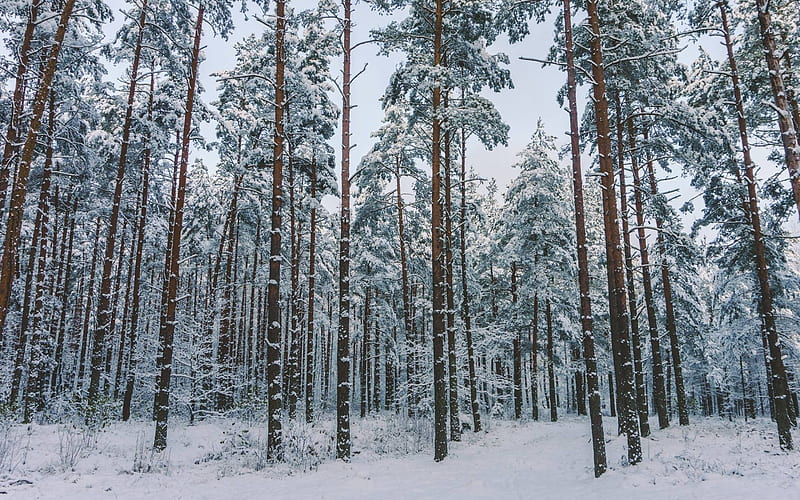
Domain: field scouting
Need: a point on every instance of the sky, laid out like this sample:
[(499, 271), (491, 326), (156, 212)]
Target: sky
[(532, 98)]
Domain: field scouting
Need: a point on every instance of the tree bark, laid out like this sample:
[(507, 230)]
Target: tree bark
[(641, 392), (169, 306), (551, 374), (465, 309), (616, 280), (517, 352), (20, 189), (17, 107), (680, 391), (437, 254), (312, 275), (590, 360), (766, 310), (781, 105), (343, 333), (104, 306), (274, 326), (130, 378), (659, 395)]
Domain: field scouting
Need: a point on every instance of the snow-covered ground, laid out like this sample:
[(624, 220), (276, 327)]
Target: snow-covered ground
[(531, 460)]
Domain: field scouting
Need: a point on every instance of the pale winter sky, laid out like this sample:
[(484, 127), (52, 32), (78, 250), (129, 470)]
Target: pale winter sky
[(534, 95)]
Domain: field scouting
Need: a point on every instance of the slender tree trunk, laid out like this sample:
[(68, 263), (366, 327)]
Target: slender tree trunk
[(312, 275), (407, 322), (775, 357), (611, 403), (680, 391), (11, 146), (781, 105), (616, 279), (465, 309), (659, 396), (274, 326), (224, 386), (169, 306), (535, 360), (8, 263), (437, 255), (343, 333), (587, 336), (293, 369), (447, 212), (551, 373), (104, 306), (87, 310), (517, 351), (130, 378), (38, 344), (641, 393), (63, 293), (364, 407)]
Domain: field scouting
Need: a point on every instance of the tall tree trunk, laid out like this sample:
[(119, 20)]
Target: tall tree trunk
[(8, 263), (680, 392), (465, 310), (63, 291), (225, 348), (130, 378), (641, 392), (104, 306), (775, 357), (535, 360), (781, 105), (84, 340), (293, 369), (437, 254), (38, 344), (168, 306), (312, 275), (407, 323), (17, 107), (447, 212), (551, 373), (343, 333), (364, 406), (616, 280), (659, 395), (517, 351), (590, 360), (274, 326)]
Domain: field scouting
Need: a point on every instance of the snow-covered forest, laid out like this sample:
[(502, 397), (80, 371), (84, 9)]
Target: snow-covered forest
[(205, 292)]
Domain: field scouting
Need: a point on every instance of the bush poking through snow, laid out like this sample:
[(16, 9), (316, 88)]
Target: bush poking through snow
[(146, 459), (74, 443), (12, 451)]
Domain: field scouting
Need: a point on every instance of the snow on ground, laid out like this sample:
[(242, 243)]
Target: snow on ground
[(531, 460)]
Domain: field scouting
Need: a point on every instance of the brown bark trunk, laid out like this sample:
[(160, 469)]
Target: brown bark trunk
[(343, 332), (465, 310), (659, 395), (775, 357), (616, 280), (8, 263), (169, 306), (17, 107), (680, 392), (312, 270), (641, 393), (437, 255), (455, 421), (104, 307), (275, 403), (130, 378), (517, 352), (781, 105)]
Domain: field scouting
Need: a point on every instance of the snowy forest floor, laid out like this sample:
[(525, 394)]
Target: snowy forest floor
[(223, 459)]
